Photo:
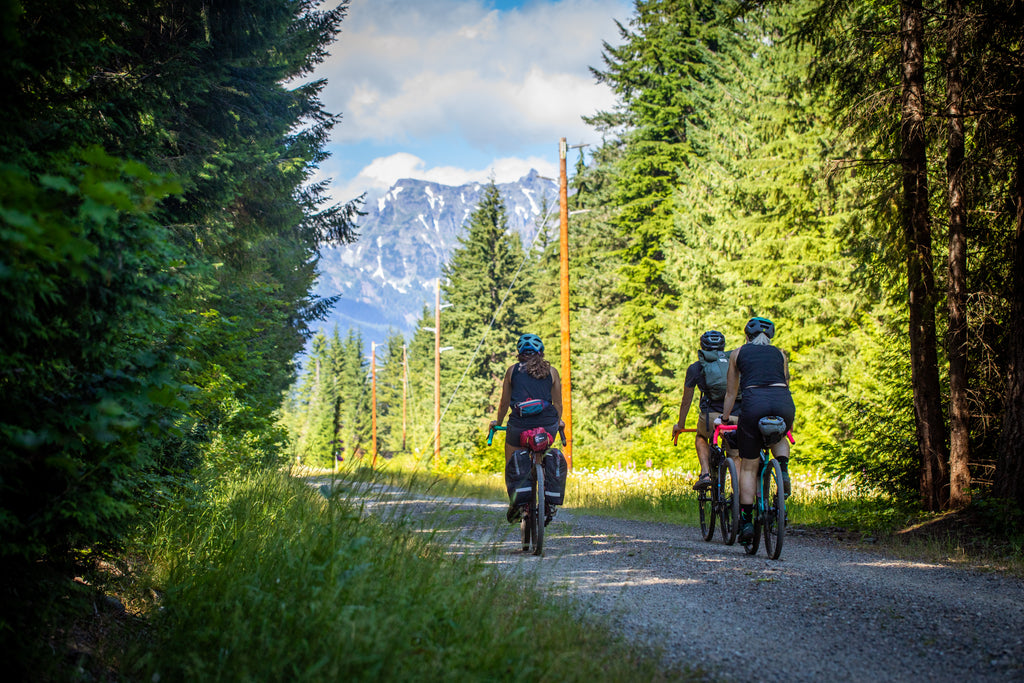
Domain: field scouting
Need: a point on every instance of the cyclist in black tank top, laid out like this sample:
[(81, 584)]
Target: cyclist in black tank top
[(762, 372), (531, 378)]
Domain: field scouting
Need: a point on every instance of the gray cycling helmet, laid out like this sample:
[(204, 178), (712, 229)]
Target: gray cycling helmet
[(529, 343), (757, 325), (712, 340)]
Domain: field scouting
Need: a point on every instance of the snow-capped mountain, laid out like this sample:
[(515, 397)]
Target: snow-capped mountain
[(387, 276)]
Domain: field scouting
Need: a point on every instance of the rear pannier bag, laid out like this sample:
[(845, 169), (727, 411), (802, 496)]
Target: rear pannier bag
[(555, 470), (517, 477)]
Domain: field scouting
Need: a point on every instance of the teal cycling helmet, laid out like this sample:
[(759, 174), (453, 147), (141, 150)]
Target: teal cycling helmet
[(529, 343), (757, 325)]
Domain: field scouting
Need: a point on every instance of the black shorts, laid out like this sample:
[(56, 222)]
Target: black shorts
[(760, 402)]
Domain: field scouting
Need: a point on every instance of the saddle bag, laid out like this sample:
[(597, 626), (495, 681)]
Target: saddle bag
[(772, 428)]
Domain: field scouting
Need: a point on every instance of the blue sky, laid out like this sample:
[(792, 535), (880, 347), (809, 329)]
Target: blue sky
[(457, 90)]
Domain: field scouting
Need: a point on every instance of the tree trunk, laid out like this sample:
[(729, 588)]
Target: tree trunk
[(920, 269), (1010, 463), (956, 296)]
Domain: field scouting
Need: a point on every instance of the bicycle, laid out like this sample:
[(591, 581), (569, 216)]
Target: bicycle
[(769, 496), (720, 501), (534, 512)]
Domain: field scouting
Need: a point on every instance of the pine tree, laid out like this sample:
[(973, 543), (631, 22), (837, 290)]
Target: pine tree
[(485, 319)]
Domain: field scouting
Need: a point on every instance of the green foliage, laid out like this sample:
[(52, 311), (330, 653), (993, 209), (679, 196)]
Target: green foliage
[(482, 283), (271, 582), (160, 240), (87, 385)]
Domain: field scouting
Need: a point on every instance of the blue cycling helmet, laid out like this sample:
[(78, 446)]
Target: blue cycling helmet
[(712, 340), (757, 325), (529, 343)]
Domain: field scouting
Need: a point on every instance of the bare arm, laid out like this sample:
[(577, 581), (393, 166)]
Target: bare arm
[(732, 387), (556, 391), (684, 409), (506, 393)]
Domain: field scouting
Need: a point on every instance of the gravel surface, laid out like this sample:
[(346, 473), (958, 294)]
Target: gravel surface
[(822, 612)]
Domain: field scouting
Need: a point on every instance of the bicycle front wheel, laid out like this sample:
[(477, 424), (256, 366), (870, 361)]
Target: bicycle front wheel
[(775, 509), (538, 517), (729, 510), (526, 530)]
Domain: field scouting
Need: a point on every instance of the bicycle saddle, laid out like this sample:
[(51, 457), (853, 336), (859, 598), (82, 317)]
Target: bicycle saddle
[(772, 428)]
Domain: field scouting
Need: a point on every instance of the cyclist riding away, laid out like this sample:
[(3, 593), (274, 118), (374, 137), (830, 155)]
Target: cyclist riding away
[(761, 372), (709, 374), (532, 390)]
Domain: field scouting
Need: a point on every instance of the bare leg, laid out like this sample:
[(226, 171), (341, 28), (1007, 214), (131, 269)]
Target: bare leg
[(703, 454), (748, 479)]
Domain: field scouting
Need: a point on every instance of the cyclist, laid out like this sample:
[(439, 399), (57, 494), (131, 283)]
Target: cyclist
[(709, 375), (532, 390), (761, 372)]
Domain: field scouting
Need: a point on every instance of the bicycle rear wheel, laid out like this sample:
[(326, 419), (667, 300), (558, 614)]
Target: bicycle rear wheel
[(538, 509), (729, 503), (775, 510), (706, 509)]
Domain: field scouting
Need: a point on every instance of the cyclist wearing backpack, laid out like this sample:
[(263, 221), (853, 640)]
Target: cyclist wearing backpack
[(709, 374), (761, 371)]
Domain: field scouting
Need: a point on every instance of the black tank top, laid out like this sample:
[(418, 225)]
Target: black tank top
[(761, 366), (523, 387)]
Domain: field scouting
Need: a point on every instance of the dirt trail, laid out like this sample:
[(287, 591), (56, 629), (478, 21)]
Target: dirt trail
[(839, 614)]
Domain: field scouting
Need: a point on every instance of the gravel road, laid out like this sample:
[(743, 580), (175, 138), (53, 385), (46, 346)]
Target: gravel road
[(839, 614)]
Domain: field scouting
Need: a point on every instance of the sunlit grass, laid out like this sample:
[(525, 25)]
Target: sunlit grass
[(269, 580)]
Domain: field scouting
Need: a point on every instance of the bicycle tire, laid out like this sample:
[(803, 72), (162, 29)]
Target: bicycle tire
[(729, 510), (538, 517), (755, 542), (706, 510), (526, 531), (775, 510)]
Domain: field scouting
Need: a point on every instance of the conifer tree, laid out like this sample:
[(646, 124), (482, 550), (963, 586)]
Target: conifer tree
[(668, 50), (484, 320)]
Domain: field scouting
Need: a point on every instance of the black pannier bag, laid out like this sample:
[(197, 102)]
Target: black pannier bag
[(517, 477), (555, 471)]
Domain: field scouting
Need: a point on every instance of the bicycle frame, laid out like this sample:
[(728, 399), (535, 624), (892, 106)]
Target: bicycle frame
[(769, 508), (533, 522), (713, 505)]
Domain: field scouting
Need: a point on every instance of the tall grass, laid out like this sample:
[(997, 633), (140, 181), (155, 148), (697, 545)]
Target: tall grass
[(270, 581)]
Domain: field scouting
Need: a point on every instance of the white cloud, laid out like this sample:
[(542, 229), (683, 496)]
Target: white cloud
[(382, 173), (402, 70)]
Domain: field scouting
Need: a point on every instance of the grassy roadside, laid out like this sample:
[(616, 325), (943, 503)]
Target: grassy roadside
[(983, 537), (270, 581)]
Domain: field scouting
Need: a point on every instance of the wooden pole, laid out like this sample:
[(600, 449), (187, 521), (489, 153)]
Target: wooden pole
[(563, 198), (373, 394), (405, 390), (437, 370)]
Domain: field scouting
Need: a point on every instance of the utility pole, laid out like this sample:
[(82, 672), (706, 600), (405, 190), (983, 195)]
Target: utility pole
[(437, 370), (405, 390), (563, 198), (373, 394)]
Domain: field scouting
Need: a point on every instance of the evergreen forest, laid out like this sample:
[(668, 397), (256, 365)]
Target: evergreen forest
[(852, 170)]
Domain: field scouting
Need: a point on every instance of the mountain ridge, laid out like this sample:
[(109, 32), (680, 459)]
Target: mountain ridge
[(385, 278)]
